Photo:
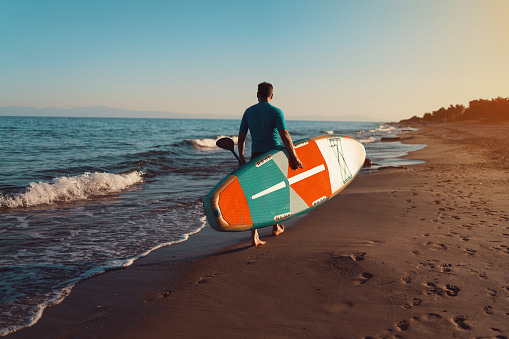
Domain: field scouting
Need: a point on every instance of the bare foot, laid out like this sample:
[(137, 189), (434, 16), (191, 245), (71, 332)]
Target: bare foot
[(277, 229), (255, 239)]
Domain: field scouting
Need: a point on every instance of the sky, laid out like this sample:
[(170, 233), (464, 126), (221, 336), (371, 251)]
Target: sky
[(387, 59)]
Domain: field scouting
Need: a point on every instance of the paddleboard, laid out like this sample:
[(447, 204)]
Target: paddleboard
[(266, 190)]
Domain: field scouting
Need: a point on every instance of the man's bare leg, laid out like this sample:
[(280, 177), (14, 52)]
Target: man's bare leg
[(277, 229), (255, 239)]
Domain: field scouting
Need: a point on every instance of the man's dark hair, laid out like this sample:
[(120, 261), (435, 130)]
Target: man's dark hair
[(265, 90)]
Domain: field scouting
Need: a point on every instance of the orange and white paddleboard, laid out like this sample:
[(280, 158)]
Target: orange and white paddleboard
[(266, 190)]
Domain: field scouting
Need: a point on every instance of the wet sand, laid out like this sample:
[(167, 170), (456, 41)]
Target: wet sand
[(414, 252)]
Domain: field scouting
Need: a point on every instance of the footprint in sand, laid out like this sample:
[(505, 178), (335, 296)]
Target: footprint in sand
[(433, 289), (460, 321), (364, 278), (470, 251), (436, 246), (498, 330), (403, 325), (250, 260), (206, 278), (446, 268), (487, 310), (374, 242), (502, 248), (416, 301), (491, 293), (406, 280), (451, 290), (358, 256), (483, 276), (413, 303)]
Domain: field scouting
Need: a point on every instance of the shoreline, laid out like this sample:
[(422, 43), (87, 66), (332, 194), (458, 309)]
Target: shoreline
[(409, 259)]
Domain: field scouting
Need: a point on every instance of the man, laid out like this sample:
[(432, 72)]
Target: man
[(266, 124)]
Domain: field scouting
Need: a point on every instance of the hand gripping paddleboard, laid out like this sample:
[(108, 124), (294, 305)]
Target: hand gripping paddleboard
[(266, 190)]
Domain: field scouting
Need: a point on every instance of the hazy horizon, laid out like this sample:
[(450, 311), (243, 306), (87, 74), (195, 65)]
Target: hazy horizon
[(112, 112)]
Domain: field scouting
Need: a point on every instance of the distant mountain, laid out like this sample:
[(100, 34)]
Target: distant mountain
[(89, 112), (361, 118), (109, 112)]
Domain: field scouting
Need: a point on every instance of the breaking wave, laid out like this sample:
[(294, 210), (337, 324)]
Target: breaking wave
[(65, 189), (209, 143), (367, 140)]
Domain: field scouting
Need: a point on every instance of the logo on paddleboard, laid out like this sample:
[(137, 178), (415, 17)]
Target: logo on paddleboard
[(282, 216), (264, 161), (322, 199), (300, 144)]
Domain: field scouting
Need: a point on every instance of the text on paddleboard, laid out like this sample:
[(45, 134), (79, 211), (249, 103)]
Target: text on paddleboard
[(282, 216), (264, 161), (300, 144)]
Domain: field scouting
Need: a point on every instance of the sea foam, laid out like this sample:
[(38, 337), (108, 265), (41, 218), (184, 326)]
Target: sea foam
[(64, 189), (210, 143)]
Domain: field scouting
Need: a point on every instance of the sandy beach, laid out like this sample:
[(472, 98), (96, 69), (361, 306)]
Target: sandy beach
[(414, 252)]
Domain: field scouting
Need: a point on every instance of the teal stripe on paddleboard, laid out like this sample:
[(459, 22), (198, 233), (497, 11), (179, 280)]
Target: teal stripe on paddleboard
[(267, 193)]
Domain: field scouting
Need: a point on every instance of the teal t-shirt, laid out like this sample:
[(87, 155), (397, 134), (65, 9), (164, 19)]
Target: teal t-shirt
[(264, 122)]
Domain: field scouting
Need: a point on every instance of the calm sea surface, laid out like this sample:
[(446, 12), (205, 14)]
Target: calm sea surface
[(81, 195)]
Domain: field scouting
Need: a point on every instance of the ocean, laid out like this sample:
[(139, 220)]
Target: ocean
[(79, 196)]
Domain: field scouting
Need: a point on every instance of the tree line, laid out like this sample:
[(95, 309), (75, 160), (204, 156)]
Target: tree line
[(486, 110)]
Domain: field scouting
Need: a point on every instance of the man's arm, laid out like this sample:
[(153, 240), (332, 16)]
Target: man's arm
[(287, 141), (241, 143)]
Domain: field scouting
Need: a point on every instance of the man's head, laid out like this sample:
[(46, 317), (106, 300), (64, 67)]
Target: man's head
[(265, 91)]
